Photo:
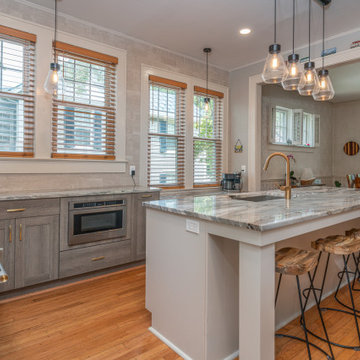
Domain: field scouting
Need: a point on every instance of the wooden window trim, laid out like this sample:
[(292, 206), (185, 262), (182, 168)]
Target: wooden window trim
[(82, 156), (16, 154), (58, 45), (161, 80), (206, 185), (169, 187), (202, 90), (17, 33)]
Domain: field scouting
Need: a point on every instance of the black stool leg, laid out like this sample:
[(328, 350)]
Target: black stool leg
[(303, 317), (306, 340), (321, 317), (278, 288), (351, 294)]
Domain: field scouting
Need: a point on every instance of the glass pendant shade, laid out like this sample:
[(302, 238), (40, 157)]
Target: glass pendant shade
[(54, 80), (307, 79), (291, 78), (275, 66), (324, 89)]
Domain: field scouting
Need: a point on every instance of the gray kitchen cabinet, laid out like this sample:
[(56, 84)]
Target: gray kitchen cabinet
[(139, 218), (7, 241), (36, 250)]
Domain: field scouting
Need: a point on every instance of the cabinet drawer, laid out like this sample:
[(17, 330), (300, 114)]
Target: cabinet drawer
[(27, 208), (79, 261)]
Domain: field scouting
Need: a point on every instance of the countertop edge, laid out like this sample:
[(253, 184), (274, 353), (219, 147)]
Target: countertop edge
[(75, 193)]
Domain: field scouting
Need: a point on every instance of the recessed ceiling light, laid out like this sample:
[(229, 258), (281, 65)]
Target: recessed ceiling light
[(245, 31)]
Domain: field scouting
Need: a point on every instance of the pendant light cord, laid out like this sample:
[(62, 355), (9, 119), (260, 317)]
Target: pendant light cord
[(293, 35), (323, 39), (309, 30), (207, 76), (275, 23), (55, 32)]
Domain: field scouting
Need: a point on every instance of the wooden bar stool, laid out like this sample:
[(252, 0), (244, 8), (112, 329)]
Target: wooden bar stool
[(296, 262), (346, 246)]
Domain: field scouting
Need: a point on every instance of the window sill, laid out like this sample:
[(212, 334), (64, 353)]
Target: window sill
[(292, 148), (47, 165)]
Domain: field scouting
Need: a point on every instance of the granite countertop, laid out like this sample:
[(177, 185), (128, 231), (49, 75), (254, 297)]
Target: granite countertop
[(50, 194), (306, 204)]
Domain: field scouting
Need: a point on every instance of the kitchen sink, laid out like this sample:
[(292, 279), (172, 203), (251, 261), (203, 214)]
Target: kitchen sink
[(257, 198)]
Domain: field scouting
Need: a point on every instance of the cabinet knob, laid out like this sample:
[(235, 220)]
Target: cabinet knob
[(98, 258), (146, 196), (15, 210)]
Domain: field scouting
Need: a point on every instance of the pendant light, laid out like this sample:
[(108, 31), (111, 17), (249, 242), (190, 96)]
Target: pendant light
[(54, 80), (324, 89), (207, 51), (308, 77), (291, 78), (275, 67)]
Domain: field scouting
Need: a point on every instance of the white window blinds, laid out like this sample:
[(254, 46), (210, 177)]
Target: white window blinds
[(166, 133), (17, 92), (84, 110), (207, 137)]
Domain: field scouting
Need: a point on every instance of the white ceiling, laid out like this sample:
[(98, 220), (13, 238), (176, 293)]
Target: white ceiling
[(187, 26)]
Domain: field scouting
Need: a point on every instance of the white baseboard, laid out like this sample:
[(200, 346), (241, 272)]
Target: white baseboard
[(169, 344), (178, 351), (232, 356)]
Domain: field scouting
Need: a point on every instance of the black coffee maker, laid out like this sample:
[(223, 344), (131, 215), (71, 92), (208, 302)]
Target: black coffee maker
[(231, 182)]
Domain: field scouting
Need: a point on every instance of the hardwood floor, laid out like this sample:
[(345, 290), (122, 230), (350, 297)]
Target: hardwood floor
[(105, 319)]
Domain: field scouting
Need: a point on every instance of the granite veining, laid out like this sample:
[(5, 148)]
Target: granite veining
[(306, 204), (50, 194)]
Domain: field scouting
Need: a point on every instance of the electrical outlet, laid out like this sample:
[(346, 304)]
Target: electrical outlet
[(243, 168), (132, 170), (192, 226)]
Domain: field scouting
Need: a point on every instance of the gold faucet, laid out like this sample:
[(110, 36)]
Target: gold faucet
[(287, 187)]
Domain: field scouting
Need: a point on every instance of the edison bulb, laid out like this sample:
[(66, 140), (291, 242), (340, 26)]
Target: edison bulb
[(324, 89), (275, 61), (274, 68), (54, 80), (308, 79), (293, 70), (291, 78), (207, 104)]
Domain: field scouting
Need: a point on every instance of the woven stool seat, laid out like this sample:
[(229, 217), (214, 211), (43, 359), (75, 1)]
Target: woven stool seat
[(339, 244), (293, 261)]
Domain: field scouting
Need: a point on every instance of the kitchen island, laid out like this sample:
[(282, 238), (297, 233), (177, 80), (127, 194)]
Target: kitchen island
[(210, 282)]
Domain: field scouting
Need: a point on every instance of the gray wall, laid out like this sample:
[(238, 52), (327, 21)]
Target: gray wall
[(239, 97), (137, 53), (319, 159), (346, 128)]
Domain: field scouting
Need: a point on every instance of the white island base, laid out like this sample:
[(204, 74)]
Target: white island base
[(211, 293)]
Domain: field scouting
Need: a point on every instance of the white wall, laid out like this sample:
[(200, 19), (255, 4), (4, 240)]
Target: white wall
[(319, 159), (239, 96)]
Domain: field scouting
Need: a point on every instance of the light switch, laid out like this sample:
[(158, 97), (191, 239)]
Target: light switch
[(192, 226)]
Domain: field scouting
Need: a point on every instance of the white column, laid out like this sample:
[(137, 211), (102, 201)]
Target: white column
[(256, 302)]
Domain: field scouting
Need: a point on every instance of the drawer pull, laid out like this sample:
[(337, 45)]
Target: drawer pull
[(98, 258), (20, 236), (146, 196), (15, 210), (10, 233)]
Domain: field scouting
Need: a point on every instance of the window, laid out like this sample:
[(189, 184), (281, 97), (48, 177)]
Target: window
[(166, 133), (294, 127), (207, 137), (84, 110), (17, 92)]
